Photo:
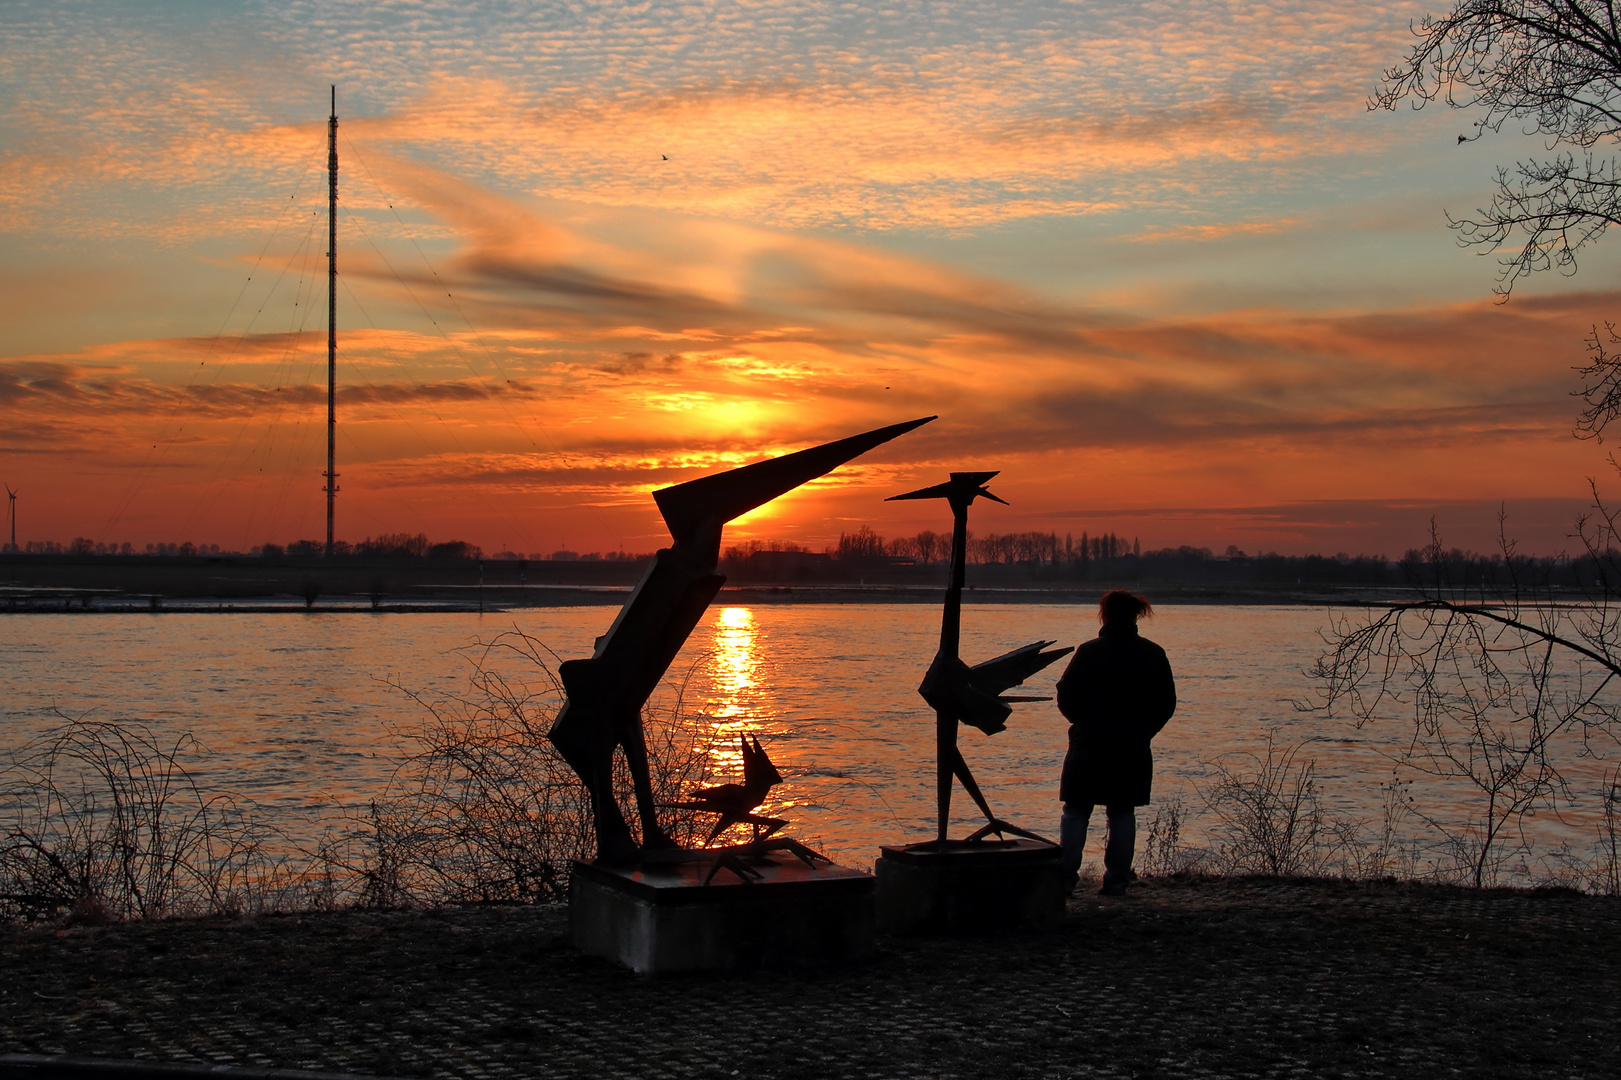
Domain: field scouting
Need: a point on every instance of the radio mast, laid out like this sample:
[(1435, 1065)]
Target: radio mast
[(331, 474)]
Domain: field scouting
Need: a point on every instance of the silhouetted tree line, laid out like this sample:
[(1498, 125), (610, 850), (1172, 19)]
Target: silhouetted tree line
[(575, 556), (1030, 548), (1111, 557), (83, 545), (382, 546), (1033, 555)]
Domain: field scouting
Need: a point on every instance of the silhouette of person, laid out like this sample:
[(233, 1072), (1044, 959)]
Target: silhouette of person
[(1117, 693)]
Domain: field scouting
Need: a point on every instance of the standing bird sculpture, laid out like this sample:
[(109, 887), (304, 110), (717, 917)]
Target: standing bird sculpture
[(974, 695)]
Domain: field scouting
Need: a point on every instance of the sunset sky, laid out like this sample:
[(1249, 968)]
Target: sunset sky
[(1154, 261)]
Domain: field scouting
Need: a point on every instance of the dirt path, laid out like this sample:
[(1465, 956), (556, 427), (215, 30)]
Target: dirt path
[(1233, 978)]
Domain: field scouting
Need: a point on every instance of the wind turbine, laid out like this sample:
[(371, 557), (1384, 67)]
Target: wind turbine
[(11, 505)]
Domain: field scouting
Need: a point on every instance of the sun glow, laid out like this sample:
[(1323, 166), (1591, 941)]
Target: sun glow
[(736, 665), (734, 684)]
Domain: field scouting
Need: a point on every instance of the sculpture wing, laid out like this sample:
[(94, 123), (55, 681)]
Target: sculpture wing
[(735, 492), (949, 687), (964, 486), (973, 694), (1012, 668), (759, 774)]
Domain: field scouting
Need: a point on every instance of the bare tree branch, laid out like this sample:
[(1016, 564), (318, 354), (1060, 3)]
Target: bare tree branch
[(1554, 67)]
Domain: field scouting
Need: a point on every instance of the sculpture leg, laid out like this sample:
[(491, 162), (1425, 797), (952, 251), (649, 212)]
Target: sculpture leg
[(945, 735), (726, 821), (585, 734), (635, 743), (771, 825), (615, 845), (960, 767)]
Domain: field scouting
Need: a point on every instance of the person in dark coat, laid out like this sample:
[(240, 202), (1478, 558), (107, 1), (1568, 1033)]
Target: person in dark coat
[(1117, 693)]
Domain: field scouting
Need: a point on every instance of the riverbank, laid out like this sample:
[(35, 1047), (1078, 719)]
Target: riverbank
[(487, 601), (1181, 979), (223, 583)]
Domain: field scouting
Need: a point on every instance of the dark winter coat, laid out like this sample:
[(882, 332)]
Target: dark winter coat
[(1117, 693)]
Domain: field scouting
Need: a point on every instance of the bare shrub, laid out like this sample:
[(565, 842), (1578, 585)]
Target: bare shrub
[(1500, 692), (1269, 817), (1164, 851), (105, 822), (1392, 852), (1607, 870), (484, 809)]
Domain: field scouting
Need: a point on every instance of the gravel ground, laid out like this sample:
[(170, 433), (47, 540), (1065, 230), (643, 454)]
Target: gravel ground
[(1180, 979)]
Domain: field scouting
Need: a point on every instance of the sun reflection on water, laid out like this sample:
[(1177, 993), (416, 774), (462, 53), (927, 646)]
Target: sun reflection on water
[(737, 665), (737, 694)]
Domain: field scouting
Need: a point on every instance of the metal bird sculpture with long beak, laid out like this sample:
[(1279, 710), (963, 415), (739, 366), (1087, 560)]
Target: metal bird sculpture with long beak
[(960, 694), (605, 693)]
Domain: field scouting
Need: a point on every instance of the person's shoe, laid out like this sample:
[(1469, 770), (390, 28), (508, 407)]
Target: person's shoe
[(1113, 888)]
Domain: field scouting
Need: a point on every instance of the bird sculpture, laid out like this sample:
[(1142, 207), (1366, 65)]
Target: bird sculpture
[(974, 695), (605, 692), (736, 803)]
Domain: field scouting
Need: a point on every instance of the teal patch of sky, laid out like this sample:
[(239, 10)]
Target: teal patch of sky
[(1356, 230)]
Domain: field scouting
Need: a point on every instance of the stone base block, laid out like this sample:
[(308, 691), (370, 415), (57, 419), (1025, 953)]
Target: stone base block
[(660, 918), (969, 887)]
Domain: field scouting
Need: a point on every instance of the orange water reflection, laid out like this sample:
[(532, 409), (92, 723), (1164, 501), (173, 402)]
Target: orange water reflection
[(736, 701), (734, 675), (736, 666)]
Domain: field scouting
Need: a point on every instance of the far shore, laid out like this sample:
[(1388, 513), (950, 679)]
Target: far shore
[(241, 584), (497, 600), (307, 583)]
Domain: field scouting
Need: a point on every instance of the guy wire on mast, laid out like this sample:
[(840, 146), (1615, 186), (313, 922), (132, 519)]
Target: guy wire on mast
[(331, 474)]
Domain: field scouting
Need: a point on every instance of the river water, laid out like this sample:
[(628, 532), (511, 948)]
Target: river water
[(303, 713)]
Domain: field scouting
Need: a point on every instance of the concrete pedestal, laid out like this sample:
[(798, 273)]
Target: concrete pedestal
[(969, 887), (660, 917)]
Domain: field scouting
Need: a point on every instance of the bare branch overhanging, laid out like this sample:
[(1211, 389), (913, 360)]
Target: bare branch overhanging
[(1554, 66)]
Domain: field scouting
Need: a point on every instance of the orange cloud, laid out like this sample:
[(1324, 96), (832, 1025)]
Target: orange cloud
[(967, 118), (602, 369), (587, 255)]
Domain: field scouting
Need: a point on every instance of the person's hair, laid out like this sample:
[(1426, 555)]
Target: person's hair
[(1120, 606)]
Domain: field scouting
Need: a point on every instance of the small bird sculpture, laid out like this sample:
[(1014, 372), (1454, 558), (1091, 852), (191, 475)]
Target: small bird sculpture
[(735, 803)]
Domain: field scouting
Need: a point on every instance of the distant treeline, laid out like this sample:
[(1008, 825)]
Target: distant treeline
[(1047, 556), (1005, 557), (418, 546), (384, 546)]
